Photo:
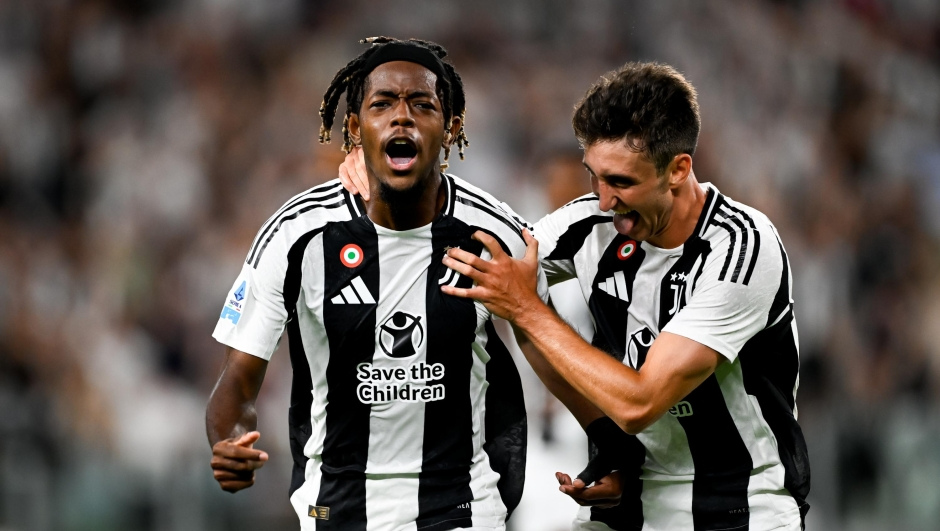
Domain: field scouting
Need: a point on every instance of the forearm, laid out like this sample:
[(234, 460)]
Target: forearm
[(231, 409), (609, 386), (583, 410)]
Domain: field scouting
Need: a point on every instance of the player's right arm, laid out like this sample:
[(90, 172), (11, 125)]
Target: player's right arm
[(231, 420)]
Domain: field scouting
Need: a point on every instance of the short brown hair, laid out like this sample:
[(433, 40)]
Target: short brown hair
[(650, 105)]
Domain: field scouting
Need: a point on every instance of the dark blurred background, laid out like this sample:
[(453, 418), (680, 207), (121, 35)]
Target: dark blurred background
[(143, 143)]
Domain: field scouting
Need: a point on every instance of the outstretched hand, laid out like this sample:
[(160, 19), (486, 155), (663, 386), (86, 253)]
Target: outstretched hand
[(234, 461), (605, 492), (352, 173), (506, 286)]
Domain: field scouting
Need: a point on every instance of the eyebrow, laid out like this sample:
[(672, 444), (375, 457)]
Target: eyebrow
[(629, 178), (411, 95)]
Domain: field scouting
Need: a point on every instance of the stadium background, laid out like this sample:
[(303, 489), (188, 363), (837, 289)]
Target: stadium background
[(142, 144)]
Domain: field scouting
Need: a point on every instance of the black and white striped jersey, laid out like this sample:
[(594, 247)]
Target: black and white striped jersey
[(406, 409), (730, 455)]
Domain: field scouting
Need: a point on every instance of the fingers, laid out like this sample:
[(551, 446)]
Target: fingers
[(531, 247), (361, 177), (463, 293), (465, 263), (235, 484), (224, 463), (346, 181), (247, 439), (491, 244), (234, 461)]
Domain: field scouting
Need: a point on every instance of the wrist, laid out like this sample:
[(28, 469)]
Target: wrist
[(530, 314)]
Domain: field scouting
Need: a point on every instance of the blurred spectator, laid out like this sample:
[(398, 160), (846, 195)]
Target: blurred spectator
[(142, 143)]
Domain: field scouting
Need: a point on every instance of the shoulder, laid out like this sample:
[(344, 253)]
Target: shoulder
[(743, 240), (584, 209), (306, 212), (562, 233), (477, 207)]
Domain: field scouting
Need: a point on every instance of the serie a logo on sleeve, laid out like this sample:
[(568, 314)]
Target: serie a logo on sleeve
[(233, 308)]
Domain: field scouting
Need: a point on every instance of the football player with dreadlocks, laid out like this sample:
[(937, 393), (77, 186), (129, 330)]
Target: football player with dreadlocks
[(406, 408)]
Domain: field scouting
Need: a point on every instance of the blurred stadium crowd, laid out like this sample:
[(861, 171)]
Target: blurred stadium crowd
[(142, 144)]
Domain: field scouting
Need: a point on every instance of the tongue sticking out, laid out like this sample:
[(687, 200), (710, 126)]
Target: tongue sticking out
[(624, 223)]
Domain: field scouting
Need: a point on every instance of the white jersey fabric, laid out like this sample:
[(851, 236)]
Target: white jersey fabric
[(394, 421), (730, 455)]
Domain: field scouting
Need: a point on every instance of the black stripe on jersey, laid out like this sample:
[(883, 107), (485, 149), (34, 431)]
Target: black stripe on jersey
[(770, 365), (444, 482), (354, 203), (350, 330), (730, 255), (570, 242), (610, 324), (451, 195), (521, 224), (743, 253), (675, 285), (707, 213), (750, 222), (610, 310), (505, 420), (782, 298), (722, 462), (260, 251), (505, 221), (514, 222), (298, 416), (328, 190)]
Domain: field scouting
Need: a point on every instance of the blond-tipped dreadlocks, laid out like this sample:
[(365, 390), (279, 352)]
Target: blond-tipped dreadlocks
[(351, 79)]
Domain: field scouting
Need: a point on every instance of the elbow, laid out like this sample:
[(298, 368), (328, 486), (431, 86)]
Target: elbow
[(635, 419)]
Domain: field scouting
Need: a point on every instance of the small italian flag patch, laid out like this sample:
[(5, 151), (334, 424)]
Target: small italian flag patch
[(626, 249), (351, 255)]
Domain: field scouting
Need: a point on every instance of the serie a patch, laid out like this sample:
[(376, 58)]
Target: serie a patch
[(318, 512)]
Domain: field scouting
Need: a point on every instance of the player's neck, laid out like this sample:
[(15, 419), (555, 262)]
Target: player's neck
[(687, 208), (404, 210)]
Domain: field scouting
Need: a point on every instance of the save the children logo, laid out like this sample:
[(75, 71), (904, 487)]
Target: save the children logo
[(411, 383), (401, 335)]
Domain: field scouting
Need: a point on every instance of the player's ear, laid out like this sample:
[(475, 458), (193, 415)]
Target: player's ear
[(352, 126), (450, 134), (679, 169)]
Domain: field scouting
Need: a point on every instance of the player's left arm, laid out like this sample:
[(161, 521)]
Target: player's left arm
[(634, 399)]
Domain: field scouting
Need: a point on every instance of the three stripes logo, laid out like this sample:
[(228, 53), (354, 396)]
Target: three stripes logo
[(615, 286), (356, 292)]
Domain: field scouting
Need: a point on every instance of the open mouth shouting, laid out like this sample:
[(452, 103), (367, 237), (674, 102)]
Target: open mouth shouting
[(401, 154)]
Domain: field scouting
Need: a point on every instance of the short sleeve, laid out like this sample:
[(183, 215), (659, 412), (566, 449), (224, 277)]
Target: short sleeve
[(253, 314), (724, 314), (547, 231)]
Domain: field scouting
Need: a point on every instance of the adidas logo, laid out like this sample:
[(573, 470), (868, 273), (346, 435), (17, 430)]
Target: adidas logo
[(615, 286), (355, 292)]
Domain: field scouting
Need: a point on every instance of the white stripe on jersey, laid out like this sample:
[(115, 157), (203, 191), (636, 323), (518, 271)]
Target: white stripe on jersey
[(396, 429)]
